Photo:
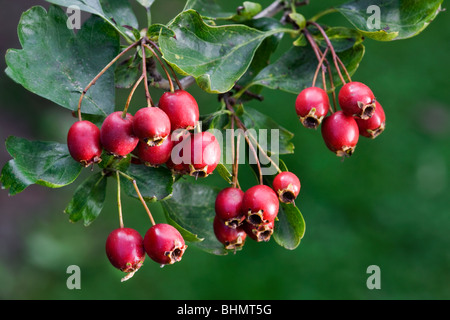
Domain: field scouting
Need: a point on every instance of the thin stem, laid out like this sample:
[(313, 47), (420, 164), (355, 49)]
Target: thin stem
[(93, 81), (323, 13), (333, 53), (345, 69), (236, 163), (133, 181), (125, 110), (179, 84), (119, 202), (172, 89), (233, 167), (265, 154), (271, 10), (144, 72), (320, 66)]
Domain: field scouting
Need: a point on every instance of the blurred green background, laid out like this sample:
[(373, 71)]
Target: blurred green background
[(388, 205)]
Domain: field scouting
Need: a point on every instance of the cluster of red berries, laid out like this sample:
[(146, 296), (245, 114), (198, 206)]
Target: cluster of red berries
[(252, 213), (150, 135), (360, 114), (126, 249)]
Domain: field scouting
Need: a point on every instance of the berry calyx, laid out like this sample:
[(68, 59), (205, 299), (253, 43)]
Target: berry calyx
[(373, 127), (182, 109), (205, 154), (228, 206), (340, 133), (154, 156), (312, 105), (261, 232), (356, 99), (83, 142), (125, 250), (151, 125), (260, 204), (287, 186), (231, 238), (117, 135), (164, 244)]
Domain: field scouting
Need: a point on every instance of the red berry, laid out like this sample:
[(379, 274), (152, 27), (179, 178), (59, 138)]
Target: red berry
[(117, 134), (261, 232), (340, 133), (312, 105), (260, 204), (356, 99), (125, 250), (287, 186), (164, 244), (231, 238), (154, 156), (373, 127), (182, 109), (228, 206), (83, 141), (151, 125), (205, 154), (177, 161)]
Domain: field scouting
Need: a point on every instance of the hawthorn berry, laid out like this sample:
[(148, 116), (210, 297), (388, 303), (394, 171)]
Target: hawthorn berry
[(205, 154), (373, 127), (164, 244), (228, 206), (177, 162), (231, 238), (83, 142), (154, 155), (340, 133), (287, 186), (357, 99), (182, 109), (117, 135), (261, 232), (312, 105), (125, 250), (151, 125), (260, 204)]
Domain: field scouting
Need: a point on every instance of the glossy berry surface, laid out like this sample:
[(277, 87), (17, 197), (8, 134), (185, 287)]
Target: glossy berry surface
[(340, 133), (231, 238), (154, 155), (178, 162), (287, 186), (83, 141), (125, 249), (373, 127), (260, 204), (151, 125), (164, 244), (312, 105), (117, 135), (205, 154), (357, 99), (261, 232), (181, 108), (228, 206)]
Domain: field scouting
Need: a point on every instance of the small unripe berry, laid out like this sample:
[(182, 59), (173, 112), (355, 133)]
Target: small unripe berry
[(260, 204), (182, 109), (357, 99), (164, 244), (373, 127), (312, 105), (287, 186), (228, 206), (117, 135), (125, 250), (83, 142), (340, 133), (231, 238), (151, 125)]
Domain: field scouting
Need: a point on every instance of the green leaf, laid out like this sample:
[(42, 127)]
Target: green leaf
[(117, 13), (294, 70), (211, 9), (289, 227), (398, 19), (146, 3), (154, 184), (88, 199), (215, 56), (34, 162), (191, 207), (127, 73), (341, 38), (57, 64)]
